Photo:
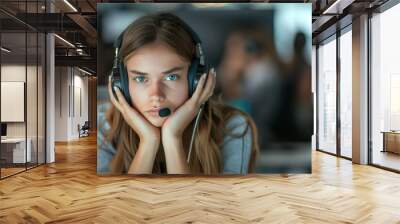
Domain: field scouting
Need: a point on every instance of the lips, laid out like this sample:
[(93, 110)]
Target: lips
[(154, 111)]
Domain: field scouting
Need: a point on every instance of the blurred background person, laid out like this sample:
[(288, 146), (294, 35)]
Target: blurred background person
[(249, 77), (294, 120)]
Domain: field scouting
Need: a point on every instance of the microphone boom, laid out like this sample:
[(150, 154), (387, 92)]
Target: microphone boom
[(164, 112)]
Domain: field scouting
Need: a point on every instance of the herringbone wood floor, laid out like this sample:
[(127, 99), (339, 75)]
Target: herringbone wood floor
[(69, 191)]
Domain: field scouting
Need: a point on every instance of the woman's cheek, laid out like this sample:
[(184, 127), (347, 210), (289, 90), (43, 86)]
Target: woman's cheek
[(138, 97), (181, 96)]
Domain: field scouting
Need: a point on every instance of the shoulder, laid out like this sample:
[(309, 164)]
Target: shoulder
[(237, 145), (105, 150), (237, 124)]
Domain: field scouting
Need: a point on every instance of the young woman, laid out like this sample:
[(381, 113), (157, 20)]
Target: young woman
[(157, 51)]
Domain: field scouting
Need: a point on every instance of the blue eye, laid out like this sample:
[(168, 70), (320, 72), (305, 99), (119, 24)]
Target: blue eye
[(171, 77), (139, 78)]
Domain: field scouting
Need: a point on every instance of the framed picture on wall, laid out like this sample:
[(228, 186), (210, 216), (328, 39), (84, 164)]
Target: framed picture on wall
[(12, 101)]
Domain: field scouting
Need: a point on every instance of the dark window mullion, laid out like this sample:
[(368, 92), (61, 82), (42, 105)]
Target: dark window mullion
[(0, 97), (37, 90), (317, 97), (369, 90), (26, 87), (338, 98)]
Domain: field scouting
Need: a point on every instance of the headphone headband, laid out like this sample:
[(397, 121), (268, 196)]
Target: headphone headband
[(198, 44), (197, 66)]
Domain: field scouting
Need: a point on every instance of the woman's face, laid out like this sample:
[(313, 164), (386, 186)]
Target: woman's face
[(157, 79)]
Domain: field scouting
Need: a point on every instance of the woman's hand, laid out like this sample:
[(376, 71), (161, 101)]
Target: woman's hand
[(145, 130), (176, 123), (173, 127)]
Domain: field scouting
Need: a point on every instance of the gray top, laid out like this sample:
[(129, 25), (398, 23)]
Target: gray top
[(235, 151)]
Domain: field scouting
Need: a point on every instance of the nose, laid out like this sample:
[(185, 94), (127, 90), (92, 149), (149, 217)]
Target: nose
[(155, 91)]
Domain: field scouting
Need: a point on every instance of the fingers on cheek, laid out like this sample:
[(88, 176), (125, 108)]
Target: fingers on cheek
[(211, 80), (211, 87), (199, 89), (202, 81)]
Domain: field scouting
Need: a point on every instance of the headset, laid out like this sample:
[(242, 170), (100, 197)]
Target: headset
[(198, 66)]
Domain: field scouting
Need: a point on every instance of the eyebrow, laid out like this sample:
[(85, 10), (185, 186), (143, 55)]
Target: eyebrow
[(174, 69)]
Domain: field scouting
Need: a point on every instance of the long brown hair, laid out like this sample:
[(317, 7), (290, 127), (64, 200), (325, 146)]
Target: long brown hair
[(206, 156)]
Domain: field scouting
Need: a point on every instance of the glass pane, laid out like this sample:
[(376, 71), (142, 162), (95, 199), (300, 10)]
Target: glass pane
[(313, 89), (386, 89), (13, 86), (31, 97), (41, 98), (327, 97), (346, 94)]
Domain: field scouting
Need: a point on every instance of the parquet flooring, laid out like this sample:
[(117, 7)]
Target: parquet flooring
[(69, 191), (9, 171), (387, 159)]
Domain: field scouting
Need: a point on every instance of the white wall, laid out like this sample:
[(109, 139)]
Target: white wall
[(80, 89), (71, 93), (61, 103)]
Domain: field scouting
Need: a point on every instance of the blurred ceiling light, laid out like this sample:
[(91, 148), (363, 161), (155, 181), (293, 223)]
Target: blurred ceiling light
[(65, 41), (84, 71), (262, 6), (81, 53), (337, 7), (5, 50), (70, 5), (79, 44), (210, 5)]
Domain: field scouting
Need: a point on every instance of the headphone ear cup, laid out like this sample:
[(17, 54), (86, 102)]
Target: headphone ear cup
[(124, 83), (193, 76), (115, 83), (115, 80)]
